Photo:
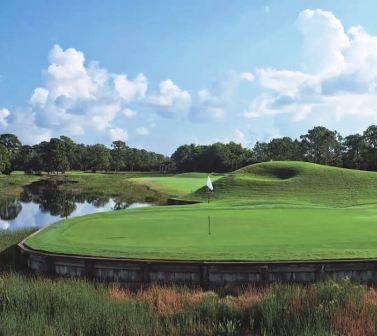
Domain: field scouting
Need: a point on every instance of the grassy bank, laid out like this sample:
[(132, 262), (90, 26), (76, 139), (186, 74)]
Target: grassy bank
[(110, 185), (37, 306), (106, 185), (295, 183), (8, 241), (11, 185)]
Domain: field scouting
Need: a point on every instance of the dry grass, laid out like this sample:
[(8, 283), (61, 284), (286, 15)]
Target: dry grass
[(163, 300), (170, 299)]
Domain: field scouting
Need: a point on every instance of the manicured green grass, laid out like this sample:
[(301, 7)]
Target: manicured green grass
[(236, 234), (177, 185), (269, 211), (296, 183)]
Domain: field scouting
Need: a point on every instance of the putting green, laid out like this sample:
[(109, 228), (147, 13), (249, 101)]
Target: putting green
[(270, 211)]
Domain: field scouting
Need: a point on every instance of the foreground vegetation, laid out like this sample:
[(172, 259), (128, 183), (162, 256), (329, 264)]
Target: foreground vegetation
[(39, 306), (267, 211)]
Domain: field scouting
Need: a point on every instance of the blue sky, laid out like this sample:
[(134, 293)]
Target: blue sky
[(158, 74)]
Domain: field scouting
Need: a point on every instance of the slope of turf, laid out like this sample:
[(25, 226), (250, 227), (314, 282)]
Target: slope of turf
[(288, 182), (177, 185), (268, 211)]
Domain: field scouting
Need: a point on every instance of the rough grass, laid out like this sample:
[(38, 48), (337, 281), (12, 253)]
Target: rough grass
[(269, 211), (8, 241), (39, 306), (111, 185), (11, 185)]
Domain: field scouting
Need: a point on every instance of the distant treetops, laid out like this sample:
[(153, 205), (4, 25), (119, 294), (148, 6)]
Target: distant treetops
[(318, 145)]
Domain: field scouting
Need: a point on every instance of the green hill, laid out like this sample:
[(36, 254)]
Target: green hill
[(295, 183)]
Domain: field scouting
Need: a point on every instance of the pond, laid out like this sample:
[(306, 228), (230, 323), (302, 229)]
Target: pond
[(45, 202)]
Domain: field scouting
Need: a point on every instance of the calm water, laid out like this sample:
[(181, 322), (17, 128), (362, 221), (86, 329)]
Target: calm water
[(43, 203)]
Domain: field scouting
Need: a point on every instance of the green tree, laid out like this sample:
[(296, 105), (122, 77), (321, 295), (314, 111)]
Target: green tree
[(12, 145), (280, 149), (322, 146), (370, 138), (261, 152), (98, 157), (353, 146), (4, 159), (118, 155)]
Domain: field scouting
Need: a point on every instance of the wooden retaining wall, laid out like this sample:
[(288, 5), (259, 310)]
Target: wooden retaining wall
[(138, 272)]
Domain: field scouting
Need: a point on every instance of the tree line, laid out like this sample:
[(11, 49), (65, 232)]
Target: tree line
[(318, 145), (62, 154)]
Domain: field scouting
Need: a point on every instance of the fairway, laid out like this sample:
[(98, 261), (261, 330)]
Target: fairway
[(177, 185), (269, 211)]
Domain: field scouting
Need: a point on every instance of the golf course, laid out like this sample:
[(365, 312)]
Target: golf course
[(267, 211)]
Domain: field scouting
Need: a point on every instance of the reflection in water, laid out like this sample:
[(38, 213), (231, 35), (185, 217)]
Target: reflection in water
[(10, 209), (44, 202)]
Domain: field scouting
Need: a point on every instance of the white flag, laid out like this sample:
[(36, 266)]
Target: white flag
[(209, 183)]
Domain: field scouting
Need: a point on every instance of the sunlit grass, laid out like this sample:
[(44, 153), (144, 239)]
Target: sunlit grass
[(269, 211)]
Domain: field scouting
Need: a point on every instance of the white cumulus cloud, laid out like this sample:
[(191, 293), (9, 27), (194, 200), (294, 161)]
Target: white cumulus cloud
[(118, 134), (338, 79), (128, 113), (248, 76), (172, 101), (4, 114), (75, 98), (129, 89)]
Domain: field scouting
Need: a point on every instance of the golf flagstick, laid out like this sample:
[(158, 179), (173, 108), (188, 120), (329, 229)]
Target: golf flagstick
[(209, 189)]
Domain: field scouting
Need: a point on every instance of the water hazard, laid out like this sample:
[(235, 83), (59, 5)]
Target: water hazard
[(45, 202)]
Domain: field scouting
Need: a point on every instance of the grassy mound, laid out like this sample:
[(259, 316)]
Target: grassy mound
[(289, 182)]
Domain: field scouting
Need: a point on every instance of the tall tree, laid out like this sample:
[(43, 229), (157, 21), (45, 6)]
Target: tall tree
[(4, 159), (284, 149), (12, 145), (353, 145), (322, 146), (118, 155), (370, 137), (98, 157), (261, 152)]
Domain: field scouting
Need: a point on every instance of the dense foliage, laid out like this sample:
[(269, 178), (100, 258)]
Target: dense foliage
[(318, 145), (63, 154)]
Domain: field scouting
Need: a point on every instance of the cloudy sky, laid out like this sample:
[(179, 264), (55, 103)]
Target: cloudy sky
[(159, 74)]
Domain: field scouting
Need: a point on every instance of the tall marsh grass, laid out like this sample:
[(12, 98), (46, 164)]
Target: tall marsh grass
[(40, 306)]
